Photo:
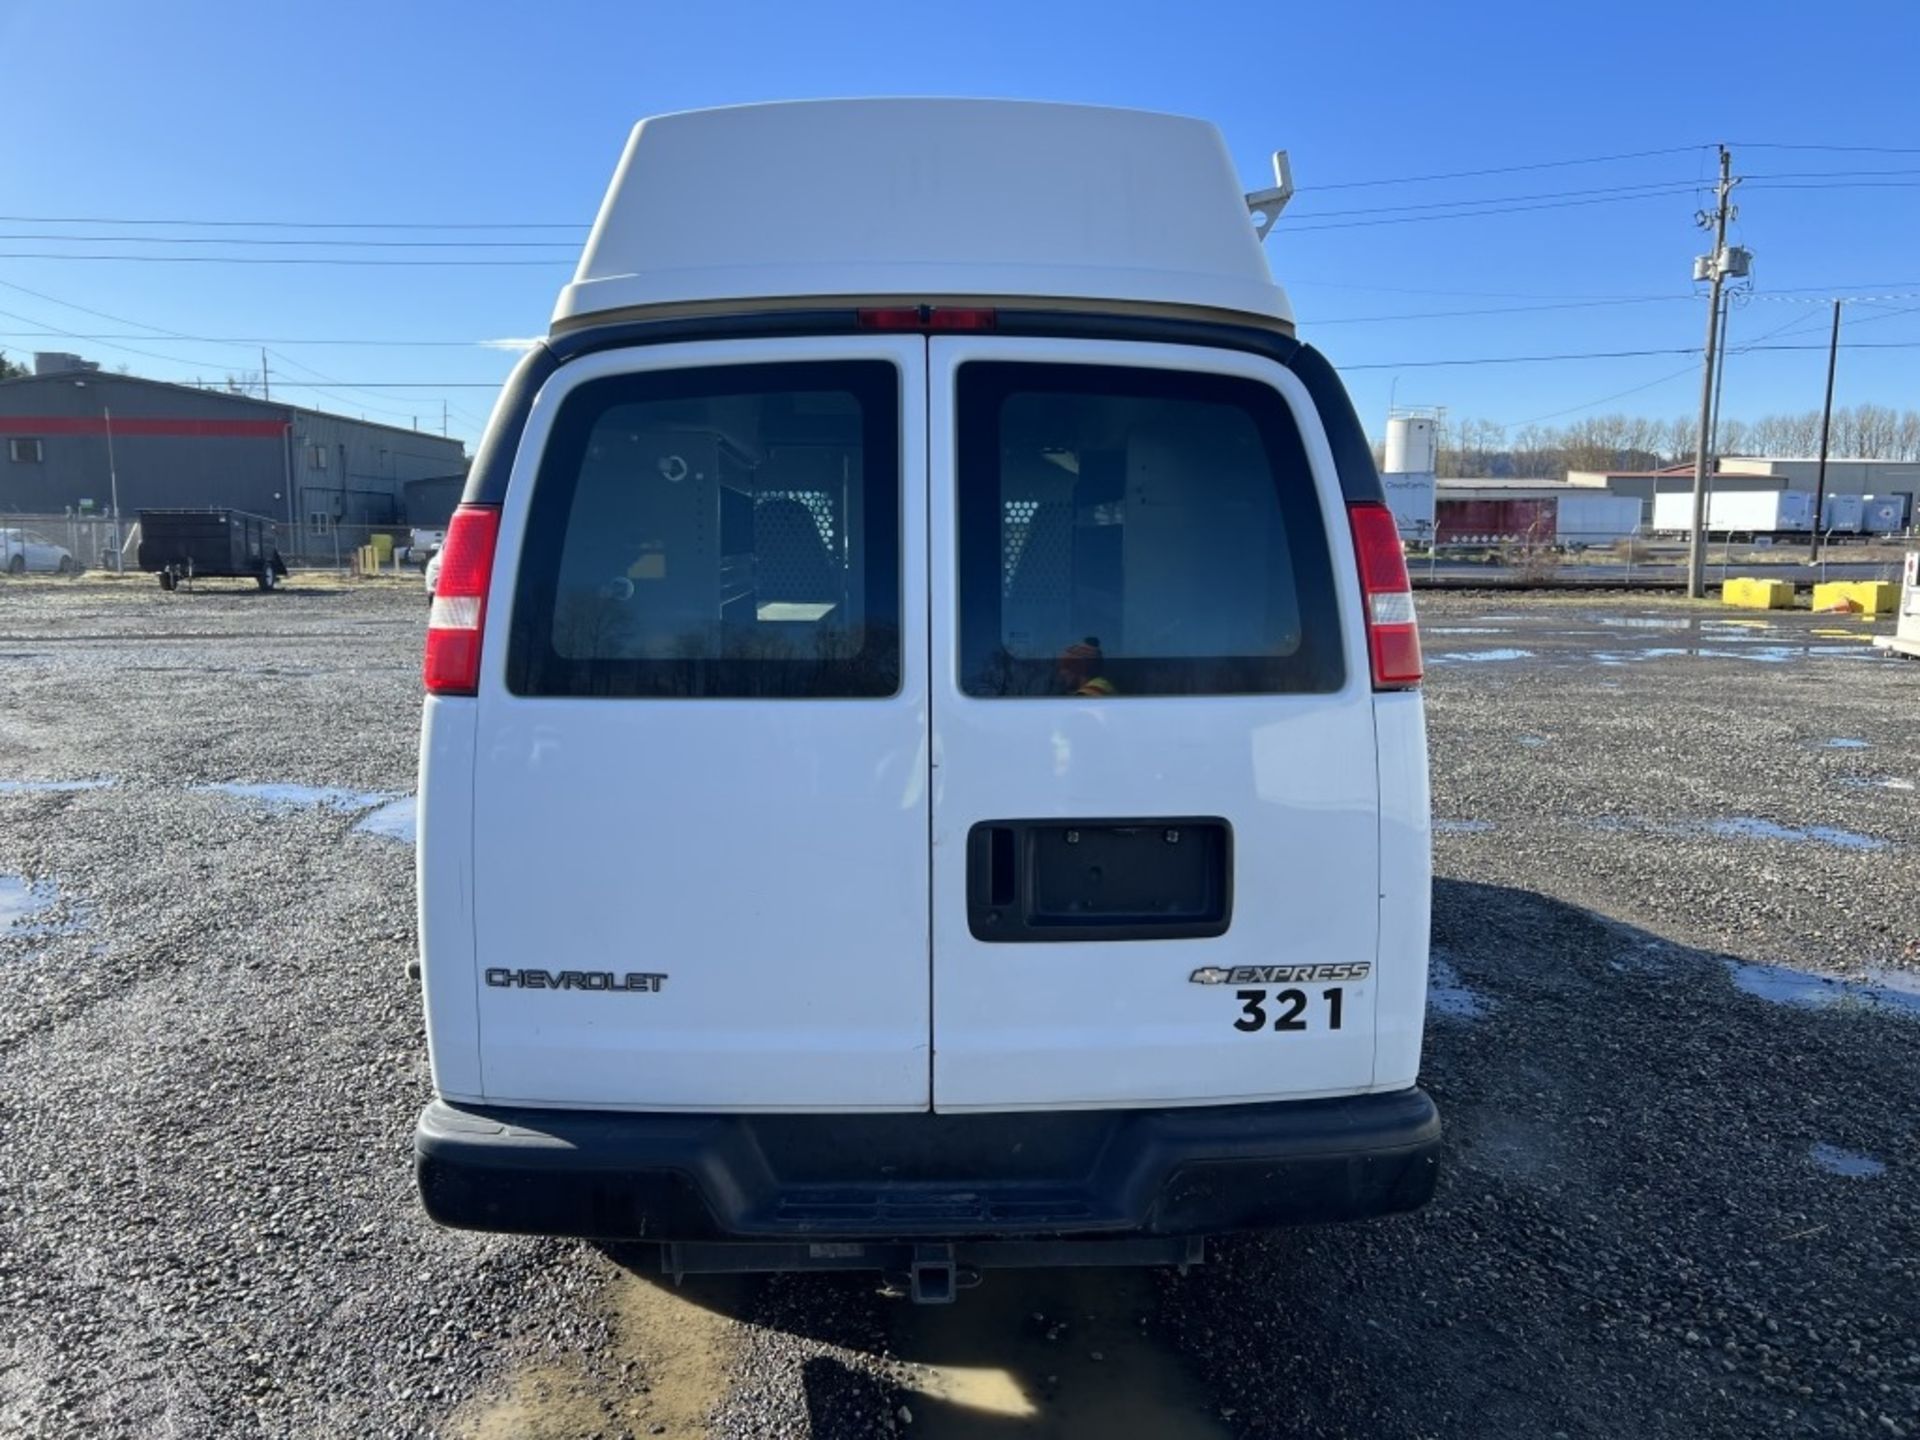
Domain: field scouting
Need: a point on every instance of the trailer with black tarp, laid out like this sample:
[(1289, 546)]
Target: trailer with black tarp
[(187, 545)]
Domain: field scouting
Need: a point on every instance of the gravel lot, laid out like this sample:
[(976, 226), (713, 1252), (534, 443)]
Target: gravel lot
[(1682, 1195)]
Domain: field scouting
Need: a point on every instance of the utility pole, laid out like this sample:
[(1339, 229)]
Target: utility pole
[(443, 410), (266, 390), (1714, 267), (113, 481), (1826, 427)]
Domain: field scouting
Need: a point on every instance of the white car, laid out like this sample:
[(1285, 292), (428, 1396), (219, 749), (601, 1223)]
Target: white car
[(923, 764), (24, 553)]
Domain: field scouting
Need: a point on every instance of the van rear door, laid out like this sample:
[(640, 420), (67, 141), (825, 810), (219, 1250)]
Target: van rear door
[(1155, 800), (700, 803)]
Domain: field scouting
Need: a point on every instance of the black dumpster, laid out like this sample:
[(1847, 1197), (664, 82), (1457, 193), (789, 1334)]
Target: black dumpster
[(181, 545)]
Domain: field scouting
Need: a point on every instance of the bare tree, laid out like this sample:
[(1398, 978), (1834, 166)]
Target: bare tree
[(1471, 447)]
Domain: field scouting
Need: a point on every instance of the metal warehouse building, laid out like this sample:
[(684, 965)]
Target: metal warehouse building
[(70, 431)]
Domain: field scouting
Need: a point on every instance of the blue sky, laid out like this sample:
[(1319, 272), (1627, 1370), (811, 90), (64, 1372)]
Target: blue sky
[(489, 114)]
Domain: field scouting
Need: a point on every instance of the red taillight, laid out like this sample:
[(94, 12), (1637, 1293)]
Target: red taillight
[(1393, 640), (950, 319), (927, 317), (458, 620)]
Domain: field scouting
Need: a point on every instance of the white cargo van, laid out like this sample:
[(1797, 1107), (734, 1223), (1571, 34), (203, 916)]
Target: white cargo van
[(923, 765)]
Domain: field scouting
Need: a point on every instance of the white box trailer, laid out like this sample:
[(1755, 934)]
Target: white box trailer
[(1737, 512), (1598, 519)]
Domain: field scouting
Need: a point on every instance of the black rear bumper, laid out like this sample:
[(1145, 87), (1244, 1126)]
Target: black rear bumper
[(1090, 1173)]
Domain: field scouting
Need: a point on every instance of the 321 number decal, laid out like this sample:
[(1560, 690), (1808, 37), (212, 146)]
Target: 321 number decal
[(1290, 1009)]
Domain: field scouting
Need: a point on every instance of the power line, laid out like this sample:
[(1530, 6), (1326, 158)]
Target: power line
[(405, 384), (1365, 365), (1479, 214), (97, 314), (1616, 355), (259, 340), (264, 259), (1836, 149), (1499, 310), (1486, 207), (1841, 185), (1603, 400), (1735, 349), (344, 387), (177, 359), (1506, 169), (1662, 186), (124, 349), (298, 224), (1304, 282), (1828, 174), (277, 240)]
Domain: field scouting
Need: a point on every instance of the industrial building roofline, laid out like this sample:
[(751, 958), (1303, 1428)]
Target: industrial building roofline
[(101, 377)]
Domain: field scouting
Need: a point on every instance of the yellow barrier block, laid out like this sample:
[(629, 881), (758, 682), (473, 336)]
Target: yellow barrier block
[(383, 544), (1876, 597), (1750, 594), (1860, 597)]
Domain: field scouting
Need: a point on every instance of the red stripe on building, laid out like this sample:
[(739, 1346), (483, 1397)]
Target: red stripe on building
[(131, 425)]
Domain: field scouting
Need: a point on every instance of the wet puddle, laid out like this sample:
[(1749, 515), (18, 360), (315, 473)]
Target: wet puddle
[(1534, 742), (1477, 657), (52, 787), (1835, 1161), (24, 905), (1462, 827), (1450, 996), (1845, 743), (20, 901), (1876, 782), (1735, 827), (1750, 827), (1640, 622), (396, 820), (1046, 1353), (298, 797), (1895, 991), (1463, 630)]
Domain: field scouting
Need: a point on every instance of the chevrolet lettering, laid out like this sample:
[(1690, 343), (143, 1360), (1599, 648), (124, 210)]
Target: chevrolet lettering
[(574, 980)]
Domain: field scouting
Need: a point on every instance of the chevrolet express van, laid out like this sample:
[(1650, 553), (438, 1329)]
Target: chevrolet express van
[(923, 764)]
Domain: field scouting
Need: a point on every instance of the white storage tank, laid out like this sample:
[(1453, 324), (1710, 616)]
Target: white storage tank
[(1412, 444)]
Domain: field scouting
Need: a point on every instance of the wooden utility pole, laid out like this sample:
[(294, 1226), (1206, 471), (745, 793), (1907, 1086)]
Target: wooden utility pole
[(1826, 429), (1716, 271)]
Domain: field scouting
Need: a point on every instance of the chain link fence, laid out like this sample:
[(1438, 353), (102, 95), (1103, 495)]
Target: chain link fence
[(1573, 558), (95, 544), (86, 542)]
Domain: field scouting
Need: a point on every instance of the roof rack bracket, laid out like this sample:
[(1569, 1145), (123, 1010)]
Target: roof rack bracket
[(1265, 205)]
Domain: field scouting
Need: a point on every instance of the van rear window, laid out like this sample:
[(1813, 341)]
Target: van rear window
[(730, 531), (1133, 532)]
